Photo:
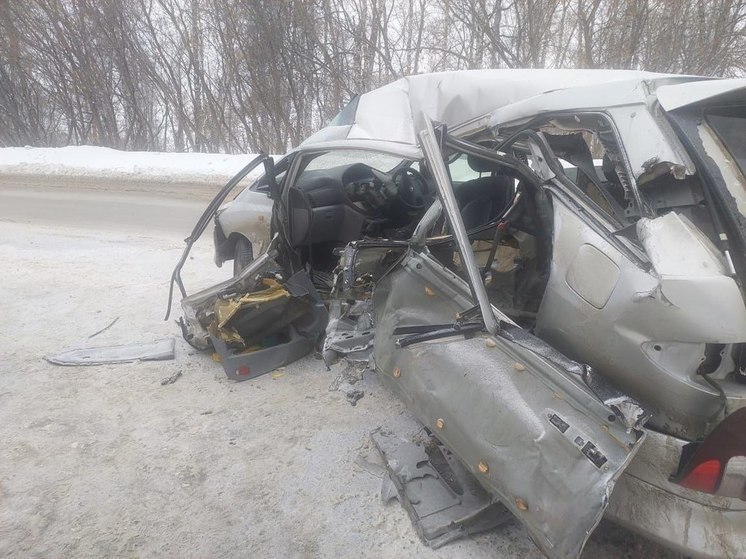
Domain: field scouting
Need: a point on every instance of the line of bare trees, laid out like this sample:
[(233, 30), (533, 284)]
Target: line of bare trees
[(244, 75)]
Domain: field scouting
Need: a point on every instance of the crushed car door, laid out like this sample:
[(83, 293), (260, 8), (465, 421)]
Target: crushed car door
[(542, 433), (261, 318)]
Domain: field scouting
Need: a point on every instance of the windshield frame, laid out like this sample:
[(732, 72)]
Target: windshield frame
[(724, 135)]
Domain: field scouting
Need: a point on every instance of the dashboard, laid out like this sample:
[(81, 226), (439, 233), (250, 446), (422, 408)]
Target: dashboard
[(370, 190), (348, 202)]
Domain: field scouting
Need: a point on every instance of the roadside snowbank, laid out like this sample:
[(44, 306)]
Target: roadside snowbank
[(104, 163)]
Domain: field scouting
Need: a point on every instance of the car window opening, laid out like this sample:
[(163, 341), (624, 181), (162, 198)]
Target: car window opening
[(510, 237), (349, 195)]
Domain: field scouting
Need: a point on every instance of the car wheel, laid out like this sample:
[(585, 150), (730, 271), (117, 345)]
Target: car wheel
[(243, 254)]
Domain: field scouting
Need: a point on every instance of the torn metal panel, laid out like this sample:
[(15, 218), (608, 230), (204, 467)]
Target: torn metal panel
[(533, 435), (259, 331), (443, 499), (363, 263), (733, 179), (198, 308), (160, 350), (632, 109), (649, 336), (701, 129), (677, 248), (350, 331)]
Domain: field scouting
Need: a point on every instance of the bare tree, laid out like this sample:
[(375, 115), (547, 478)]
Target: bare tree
[(249, 75)]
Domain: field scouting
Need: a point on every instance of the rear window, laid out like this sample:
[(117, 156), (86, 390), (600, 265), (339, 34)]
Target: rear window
[(730, 126)]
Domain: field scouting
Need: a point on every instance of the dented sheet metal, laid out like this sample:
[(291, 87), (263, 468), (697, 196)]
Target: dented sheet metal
[(531, 430), (394, 113), (262, 330), (628, 411), (535, 437), (677, 96), (543, 434), (443, 499), (256, 321), (160, 350)]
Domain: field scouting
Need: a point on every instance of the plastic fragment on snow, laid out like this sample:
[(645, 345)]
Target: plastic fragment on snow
[(160, 350)]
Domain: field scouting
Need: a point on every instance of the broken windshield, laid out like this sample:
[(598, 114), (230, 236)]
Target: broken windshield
[(336, 158)]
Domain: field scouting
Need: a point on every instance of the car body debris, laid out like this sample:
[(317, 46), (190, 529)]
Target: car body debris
[(347, 382), (268, 321), (161, 350), (443, 499)]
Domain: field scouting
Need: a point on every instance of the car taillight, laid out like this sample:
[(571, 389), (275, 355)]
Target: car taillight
[(704, 477), (717, 465)]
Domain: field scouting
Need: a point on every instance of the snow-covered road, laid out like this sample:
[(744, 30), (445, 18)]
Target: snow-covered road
[(134, 212), (105, 461)]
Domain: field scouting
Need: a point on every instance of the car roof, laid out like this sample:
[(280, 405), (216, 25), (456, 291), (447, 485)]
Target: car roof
[(672, 97), (392, 114)]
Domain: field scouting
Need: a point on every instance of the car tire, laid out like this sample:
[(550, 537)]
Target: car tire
[(243, 254)]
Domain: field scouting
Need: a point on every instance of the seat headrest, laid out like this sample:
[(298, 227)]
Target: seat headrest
[(481, 165)]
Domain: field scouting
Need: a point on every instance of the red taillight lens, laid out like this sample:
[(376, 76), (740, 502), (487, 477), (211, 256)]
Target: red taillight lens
[(704, 477), (704, 464)]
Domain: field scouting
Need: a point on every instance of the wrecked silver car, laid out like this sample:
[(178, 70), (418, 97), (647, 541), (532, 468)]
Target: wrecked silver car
[(454, 232)]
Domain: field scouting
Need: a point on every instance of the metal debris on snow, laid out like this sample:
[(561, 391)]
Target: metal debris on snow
[(161, 350)]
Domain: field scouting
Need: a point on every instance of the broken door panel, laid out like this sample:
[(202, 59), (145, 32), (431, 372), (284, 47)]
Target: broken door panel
[(205, 218), (199, 307), (534, 435), (363, 263), (443, 499), (259, 331), (351, 327), (256, 321)]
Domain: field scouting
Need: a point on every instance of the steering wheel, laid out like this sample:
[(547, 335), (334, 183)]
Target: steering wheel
[(411, 188)]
